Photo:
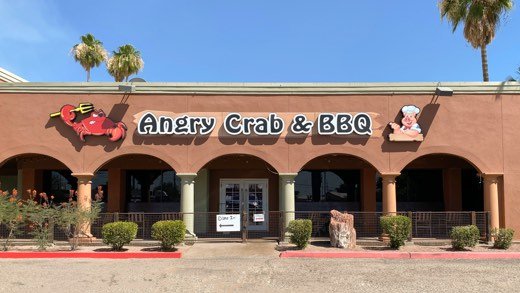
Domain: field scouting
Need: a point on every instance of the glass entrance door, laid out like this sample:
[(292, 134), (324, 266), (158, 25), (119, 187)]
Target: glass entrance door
[(249, 194)]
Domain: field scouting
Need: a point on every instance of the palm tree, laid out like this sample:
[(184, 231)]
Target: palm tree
[(124, 62), (481, 19), (89, 53)]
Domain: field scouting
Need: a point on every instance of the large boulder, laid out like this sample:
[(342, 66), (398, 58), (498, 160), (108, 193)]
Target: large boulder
[(341, 230)]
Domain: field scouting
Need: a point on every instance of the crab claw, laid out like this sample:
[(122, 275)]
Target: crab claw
[(67, 114), (117, 133)]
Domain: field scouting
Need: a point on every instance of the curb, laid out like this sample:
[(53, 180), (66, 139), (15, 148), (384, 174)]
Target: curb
[(345, 254), (400, 255), (465, 255), (99, 255)]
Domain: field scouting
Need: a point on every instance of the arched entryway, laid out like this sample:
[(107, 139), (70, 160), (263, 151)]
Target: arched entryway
[(237, 184), (40, 174), (440, 191), (440, 182), (336, 181), (44, 179), (137, 183)]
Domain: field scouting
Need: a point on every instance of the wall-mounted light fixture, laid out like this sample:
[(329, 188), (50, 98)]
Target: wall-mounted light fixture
[(443, 91)]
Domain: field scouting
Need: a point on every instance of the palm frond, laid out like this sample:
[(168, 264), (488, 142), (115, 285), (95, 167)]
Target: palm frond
[(89, 53), (125, 62), (480, 17)]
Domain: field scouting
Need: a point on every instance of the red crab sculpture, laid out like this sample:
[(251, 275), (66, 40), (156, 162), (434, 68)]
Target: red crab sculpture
[(96, 124)]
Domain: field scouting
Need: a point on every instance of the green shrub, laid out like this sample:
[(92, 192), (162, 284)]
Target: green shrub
[(398, 228), (118, 234), (464, 236), (169, 233), (301, 231), (503, 237)]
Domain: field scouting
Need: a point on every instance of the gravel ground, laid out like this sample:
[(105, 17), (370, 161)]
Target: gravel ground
[(254, 267)]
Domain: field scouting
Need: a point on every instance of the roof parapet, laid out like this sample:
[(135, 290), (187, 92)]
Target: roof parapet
[(509, 87)]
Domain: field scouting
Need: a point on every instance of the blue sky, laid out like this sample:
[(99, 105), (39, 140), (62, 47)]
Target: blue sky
[(253, 40)]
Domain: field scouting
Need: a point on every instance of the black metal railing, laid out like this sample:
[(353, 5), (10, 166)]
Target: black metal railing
[(424, 224)]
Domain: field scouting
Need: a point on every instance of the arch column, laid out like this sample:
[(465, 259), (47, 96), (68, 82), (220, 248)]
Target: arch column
[(389, 193), (491, 199), (287, 200), (84, 199), (188, 201)]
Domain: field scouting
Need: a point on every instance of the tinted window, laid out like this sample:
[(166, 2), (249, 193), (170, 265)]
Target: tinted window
[(152, 186), (327, 185)]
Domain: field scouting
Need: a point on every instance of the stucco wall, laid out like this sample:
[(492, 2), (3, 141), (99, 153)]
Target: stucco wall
[(482, 128), (469, 126)]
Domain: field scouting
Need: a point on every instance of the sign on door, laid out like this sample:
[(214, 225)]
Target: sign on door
[(228, 223)]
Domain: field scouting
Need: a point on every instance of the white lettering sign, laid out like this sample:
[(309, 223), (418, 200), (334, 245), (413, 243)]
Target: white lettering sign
[(228, 223), (234, 124), (344, 123), (150, 124)]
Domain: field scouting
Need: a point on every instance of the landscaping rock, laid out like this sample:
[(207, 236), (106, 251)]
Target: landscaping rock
[(341, 230)]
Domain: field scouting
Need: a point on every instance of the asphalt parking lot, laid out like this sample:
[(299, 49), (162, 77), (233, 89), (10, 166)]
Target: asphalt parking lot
[(232, 267)]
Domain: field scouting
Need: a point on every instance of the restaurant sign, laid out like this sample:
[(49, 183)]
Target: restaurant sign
[(271, 124)]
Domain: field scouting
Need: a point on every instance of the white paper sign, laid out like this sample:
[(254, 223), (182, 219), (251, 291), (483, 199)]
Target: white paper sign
[(228, 223), (258, 218)]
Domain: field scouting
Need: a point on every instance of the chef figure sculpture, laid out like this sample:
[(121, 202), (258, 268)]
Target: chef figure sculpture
[(409, 127)]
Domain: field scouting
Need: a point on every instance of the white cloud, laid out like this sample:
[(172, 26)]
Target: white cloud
[(30, 22)]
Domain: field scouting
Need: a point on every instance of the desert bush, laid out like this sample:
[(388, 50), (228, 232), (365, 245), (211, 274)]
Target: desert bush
[(118, 234), (41, 220), (169, 233), (11, 216), (301, 231), (464, 236), (398, 228), (70, 218), (503, 237)]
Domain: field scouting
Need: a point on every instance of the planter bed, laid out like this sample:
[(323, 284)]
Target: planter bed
[(321, 249), (89, 252)]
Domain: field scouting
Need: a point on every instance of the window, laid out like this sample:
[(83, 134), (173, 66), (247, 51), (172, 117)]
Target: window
[(472, 191), (100, 179), (152, 186), (327, 186), (58, 183), (420, 186)]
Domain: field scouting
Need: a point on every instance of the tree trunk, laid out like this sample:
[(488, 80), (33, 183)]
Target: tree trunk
[(88, 75), (483, 55)]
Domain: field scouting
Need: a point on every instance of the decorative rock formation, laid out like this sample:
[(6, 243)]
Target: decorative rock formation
[(341, 230)]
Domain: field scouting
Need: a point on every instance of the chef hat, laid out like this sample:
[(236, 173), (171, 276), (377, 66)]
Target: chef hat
[(410, 109)]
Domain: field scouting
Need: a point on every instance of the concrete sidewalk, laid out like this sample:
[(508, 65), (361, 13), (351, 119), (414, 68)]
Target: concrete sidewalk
[(220, 250), (270, 249)]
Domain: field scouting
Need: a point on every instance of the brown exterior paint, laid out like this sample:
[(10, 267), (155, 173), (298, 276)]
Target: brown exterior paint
[(480, 128), (457, 128), (452, 189)]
